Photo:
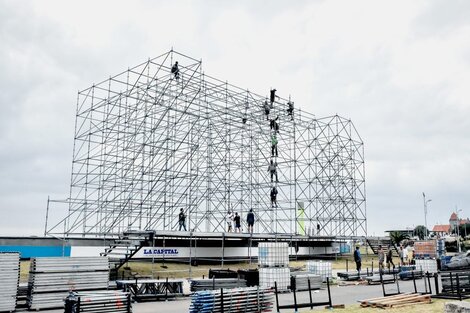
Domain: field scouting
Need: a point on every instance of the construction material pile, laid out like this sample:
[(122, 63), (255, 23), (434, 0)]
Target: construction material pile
[(9, 277), (377, 279), (410, 274), (396, 301), (216, 283), (320, 268), (222, 273), (455, 280), (250, 275), (299, 281), (426, 265), (425, 249), (249, 300), (273, 260), (51, 279), (98, 302)]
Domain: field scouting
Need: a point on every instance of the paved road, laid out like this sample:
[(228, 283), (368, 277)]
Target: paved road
[(340, 295)]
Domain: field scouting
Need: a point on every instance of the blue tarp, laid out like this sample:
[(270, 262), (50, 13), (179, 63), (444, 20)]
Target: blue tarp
[(27, 252)]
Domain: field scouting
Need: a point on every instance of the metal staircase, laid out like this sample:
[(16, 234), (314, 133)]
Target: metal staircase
[(125, 247), (385, 242)]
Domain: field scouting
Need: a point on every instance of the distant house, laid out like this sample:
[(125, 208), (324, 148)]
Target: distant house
[(451, 227), (441, 230), (453, 221)]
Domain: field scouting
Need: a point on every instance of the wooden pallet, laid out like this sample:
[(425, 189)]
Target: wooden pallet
[(396, 301)]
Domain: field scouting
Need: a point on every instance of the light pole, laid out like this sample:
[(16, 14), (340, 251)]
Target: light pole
[(426, 213), (458, 228)]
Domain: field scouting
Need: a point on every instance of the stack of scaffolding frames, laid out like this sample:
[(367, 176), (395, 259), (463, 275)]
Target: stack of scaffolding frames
[(51, 279), (98, 302), (9, 278), (147, 144)]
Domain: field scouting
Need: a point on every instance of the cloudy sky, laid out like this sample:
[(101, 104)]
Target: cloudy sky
[(399, 69)]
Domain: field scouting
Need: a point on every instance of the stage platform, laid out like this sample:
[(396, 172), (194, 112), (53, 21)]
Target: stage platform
[(179, 245)]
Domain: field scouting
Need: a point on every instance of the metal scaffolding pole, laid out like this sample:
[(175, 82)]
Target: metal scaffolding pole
[(148, 143)]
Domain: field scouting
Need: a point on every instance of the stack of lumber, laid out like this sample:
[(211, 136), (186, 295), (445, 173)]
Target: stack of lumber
[(249, 300), (396, 301)]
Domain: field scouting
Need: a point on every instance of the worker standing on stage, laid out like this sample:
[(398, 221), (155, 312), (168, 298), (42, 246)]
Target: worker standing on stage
[(229, 221), (273, 170), (175, 70), (250, 220), (236, 219), (266, 109), (274, 197), (272, 95), (274, 146), (182, 220)]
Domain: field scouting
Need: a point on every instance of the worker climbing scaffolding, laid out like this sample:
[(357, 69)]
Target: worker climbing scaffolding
[(245, 116), (272, 169), (274, 142), (273, 123), (267, 108), (290, 109), (175, 70), (272, 96), (274, 197)]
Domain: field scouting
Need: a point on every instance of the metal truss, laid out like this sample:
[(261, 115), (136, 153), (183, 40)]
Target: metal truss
[(148, 144)]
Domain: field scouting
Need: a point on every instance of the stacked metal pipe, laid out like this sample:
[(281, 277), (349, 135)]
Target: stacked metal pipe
[(98, 302), (9, 278), (248, 300), (216, 283), (51, 279)]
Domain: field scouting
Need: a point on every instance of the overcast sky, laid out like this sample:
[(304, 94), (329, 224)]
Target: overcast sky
[(399, 69)]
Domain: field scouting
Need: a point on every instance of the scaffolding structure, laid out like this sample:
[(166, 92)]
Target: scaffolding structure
[(149, 142)]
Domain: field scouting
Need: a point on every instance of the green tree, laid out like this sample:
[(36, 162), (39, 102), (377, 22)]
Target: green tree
[(464, 230), (397, 237), (420, 231)]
